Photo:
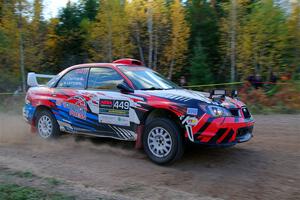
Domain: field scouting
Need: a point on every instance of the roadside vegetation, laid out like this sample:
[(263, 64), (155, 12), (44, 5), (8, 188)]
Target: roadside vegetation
[(18, 192), (24, 185), (200, 41)]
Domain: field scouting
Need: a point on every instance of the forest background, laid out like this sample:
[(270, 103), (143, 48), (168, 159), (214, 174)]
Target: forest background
[(193, 42)]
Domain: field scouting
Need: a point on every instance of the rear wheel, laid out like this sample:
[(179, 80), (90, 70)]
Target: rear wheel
[(162, 141), (46, 124)]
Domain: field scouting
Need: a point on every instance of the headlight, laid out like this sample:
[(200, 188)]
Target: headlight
[(218, 111)]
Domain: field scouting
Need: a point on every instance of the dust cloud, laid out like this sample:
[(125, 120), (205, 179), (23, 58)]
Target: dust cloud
[(14, 130)]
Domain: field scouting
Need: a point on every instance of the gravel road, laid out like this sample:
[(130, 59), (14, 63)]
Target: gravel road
[(267, 167)]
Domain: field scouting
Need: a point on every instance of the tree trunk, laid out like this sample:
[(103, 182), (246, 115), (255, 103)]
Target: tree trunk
[(110, 59), (21, 46), (138, 40), (150, 32), (155, 51), (233, 40), (171, 69)]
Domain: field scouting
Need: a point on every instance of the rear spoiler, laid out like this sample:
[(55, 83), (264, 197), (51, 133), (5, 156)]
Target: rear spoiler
[(32, 78)]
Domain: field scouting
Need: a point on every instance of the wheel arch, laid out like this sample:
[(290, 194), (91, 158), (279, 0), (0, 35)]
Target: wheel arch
[(160, 112), (155, 113), (39, 109)]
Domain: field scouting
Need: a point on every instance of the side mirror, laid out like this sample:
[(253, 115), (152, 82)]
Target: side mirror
[(124, 88), (234, 93)]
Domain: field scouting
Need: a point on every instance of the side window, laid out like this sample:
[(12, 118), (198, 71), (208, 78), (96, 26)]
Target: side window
[(74, 79), (104, 79)]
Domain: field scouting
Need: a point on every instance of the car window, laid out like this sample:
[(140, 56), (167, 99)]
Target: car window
[(104, 79), (146, 79), (74, 79)]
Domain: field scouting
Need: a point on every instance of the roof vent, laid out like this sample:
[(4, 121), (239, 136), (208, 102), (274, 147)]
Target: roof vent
[(129, 61)]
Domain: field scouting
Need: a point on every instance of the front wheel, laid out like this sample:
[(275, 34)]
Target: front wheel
[(46, 124), (162, 141)]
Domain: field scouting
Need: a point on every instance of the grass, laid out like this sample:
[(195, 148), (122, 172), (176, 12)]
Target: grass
[(25, 174), (17, 192), (280, 108), (12, 190)]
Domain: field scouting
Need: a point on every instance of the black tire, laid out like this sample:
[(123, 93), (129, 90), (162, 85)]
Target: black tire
[(176, 148), (54, 132)]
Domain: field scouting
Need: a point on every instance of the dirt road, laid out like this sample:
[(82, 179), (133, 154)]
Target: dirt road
[(267, 167)]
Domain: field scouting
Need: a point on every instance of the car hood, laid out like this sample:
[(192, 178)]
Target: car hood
[(184, 95)]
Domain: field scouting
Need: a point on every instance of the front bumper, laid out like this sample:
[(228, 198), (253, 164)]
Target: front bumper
[(223, 131), (244, 134)]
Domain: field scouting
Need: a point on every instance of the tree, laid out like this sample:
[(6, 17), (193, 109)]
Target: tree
[(34, 38), (235, 13), (90, 9), (51, 53), (203, 18), (148, 22), (262, 40), (136, 13), (70, 36), (150, 31), (161, 26), (233, 36), (176, 50), (10, 76), (200, 71), (293, 39), (109, 35)]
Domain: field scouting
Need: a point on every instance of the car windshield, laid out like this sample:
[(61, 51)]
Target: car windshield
[(146, 79)]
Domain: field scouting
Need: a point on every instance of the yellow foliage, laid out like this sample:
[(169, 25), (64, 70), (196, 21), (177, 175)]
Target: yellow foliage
[(261, 40), (109, 34), (293, 25), (175, 51)]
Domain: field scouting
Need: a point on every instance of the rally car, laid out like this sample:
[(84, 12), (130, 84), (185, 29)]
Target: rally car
[(127, 101)]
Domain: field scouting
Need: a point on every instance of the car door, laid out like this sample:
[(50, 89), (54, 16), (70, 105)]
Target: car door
[(115, 110), (71, 107)]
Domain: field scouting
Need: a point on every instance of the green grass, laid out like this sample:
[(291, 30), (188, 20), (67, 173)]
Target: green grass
[(17, 192), (280, 108), (25, 174)]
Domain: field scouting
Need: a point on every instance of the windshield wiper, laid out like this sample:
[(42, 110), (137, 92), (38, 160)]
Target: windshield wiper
[(152, 88)]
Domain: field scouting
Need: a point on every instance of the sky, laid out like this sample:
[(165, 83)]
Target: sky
[(51, 7)]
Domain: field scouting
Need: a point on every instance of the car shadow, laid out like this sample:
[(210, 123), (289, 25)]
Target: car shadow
[(235, 157), (195, 155)]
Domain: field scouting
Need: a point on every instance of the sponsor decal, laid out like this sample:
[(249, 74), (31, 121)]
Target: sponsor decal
[(192, 121), (192, 111), (106, 103), (114, 107), (114, 112), (116, 120), (77, 107), (189, 122)]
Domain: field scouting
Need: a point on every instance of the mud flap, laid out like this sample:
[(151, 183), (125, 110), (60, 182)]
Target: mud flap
[(139, 142)]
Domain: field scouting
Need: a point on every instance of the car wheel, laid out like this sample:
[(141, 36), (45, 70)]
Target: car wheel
[(46, 125), (162, 141)]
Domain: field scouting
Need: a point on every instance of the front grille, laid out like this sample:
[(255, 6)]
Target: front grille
[(235, 112), (246, 112), (243, 131)]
